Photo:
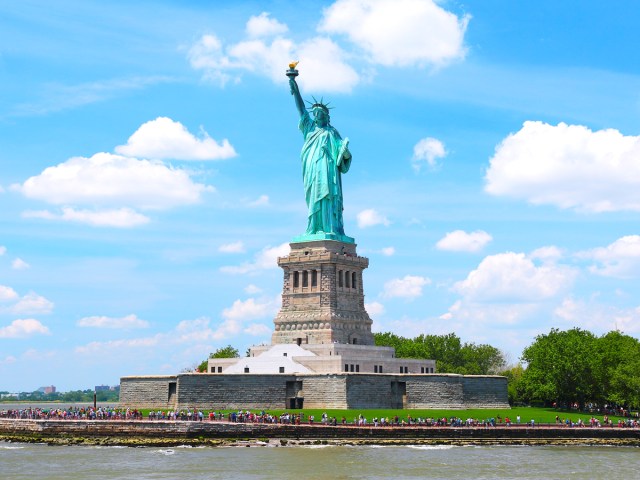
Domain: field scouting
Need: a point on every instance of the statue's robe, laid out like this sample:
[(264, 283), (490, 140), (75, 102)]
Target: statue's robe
[(325, 156)]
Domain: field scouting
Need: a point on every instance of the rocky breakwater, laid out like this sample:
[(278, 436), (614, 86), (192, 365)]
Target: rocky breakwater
[(169, 433)]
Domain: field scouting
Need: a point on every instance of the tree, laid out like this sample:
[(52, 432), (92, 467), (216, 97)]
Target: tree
[(482, 359), (562, 367), (222, 352), (620, 369), (576, 366), (450, 354), (514, 383), (225, 352)]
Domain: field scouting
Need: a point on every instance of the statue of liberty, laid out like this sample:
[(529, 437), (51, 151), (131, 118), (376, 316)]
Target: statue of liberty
[(325, 157)]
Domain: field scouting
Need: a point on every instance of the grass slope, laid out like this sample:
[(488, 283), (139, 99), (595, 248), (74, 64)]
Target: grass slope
[(540, 415)]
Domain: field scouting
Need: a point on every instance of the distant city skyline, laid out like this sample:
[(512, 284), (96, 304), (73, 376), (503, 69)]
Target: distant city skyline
[(151, 173)]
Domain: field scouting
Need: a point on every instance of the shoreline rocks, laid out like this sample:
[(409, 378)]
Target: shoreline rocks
[(223, 434)]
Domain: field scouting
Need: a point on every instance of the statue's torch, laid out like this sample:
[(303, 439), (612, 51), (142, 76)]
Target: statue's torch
[(292, 73)]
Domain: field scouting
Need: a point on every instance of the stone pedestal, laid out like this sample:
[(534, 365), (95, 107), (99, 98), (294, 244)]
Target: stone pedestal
[(323, 295)]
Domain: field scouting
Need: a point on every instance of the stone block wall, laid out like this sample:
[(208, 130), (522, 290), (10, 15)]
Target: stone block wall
[(232, 391), (339, 391), (324, 391), (369, 391), (434, 391), (147, 391), (487, 391)]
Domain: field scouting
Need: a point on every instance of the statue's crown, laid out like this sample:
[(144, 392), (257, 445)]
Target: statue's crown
[(319, 104)]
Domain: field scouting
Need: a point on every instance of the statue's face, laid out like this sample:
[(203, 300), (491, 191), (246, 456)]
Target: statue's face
[(321, 117)]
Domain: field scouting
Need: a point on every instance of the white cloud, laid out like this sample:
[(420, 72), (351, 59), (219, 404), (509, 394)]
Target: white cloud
[(3, 250), (619, 259), (190, 332), (7, 294), (110, 346), (408, 287), (23, 328), (234, 247), (259, 57), (382, 32), (514, 277), (29, 304), (326, 67), (243, 311), (325, 64), (32, 304), (548, 254), (374, 309), (399, 32), (569, 166), (106, 180), (193, 333), (164, 138), (124, 323), (249, 309), (597, 317), (388, 251), (268, 257), (261, 201), (264, 26), (257, 330), (112, 186), (427, 150), (252, 289), (19, 264), (120, 218), (461, 241), (207, 55), (479, 318), (370, 218), (8, 360), (265, 259)]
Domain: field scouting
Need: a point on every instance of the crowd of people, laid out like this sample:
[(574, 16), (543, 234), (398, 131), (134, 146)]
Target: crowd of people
[(73, 413), (287, 418)]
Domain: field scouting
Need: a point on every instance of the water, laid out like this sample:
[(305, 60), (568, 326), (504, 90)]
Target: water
[(28, 461)]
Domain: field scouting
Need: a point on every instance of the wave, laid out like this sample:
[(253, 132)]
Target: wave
[(165, 452), (431, 447)]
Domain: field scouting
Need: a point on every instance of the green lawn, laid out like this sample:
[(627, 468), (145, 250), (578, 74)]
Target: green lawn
[(540, 415)]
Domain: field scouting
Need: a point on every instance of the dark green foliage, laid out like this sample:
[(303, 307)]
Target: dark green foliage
[(620, 361), (225, 352), (514, 377), (75, 396), (222, 352), (450, 354), (565, 367)]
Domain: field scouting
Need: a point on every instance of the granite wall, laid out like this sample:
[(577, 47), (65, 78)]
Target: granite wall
[(339, 391), (148, 391)]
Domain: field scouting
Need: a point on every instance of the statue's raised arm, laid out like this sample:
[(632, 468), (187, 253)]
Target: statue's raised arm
[(325, 157), (295, 91)]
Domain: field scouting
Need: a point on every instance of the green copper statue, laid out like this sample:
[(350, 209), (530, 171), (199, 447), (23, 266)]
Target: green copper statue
[(325, 156)]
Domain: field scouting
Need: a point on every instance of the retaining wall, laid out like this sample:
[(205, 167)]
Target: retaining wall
[(188, 430), (339, 391), (147, 391)]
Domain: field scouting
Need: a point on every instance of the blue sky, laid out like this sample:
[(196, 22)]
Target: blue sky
[(150, 172)]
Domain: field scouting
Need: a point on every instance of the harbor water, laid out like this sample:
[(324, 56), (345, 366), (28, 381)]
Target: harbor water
[(28, 461)]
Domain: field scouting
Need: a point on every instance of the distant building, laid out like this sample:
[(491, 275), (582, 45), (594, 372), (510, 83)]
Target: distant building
[(47, 390), (106, 388)]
